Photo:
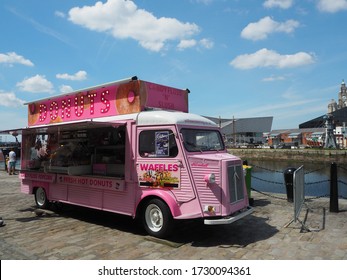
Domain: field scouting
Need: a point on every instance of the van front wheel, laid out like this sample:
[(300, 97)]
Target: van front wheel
[(157, 218)]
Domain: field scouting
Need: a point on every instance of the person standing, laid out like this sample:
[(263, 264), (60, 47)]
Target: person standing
[(12, 162)]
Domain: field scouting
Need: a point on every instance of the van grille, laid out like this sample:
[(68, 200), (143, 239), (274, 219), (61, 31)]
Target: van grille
[(236, 181)]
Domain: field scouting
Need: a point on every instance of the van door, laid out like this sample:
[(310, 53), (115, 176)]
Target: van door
[(163, 178)]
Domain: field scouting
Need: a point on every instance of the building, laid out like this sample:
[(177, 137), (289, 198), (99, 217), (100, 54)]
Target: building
[(313, 133), (339, 119), (299, 137), (244, 131), (342, 98), (338, 111)]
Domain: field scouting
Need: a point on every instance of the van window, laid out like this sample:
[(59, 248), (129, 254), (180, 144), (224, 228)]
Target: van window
[(157, 143)]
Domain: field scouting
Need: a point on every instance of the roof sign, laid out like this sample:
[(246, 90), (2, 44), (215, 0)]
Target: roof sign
[(106, 100)]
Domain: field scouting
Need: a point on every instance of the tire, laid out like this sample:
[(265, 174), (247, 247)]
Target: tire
[(41, 198), (156, 218)]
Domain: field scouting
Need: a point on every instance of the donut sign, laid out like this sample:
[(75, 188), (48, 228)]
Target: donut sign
[(106, 100)]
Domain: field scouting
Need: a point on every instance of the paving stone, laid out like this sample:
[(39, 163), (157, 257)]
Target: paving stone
[(79, 233)]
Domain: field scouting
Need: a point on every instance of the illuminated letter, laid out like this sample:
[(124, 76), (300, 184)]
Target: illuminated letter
[(105, 101), (53, 110), (43, 112), (79, 108), (91, 97), (66, 108)]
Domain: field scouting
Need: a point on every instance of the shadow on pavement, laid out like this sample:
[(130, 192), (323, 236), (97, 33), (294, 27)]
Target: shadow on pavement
[(239, 234)]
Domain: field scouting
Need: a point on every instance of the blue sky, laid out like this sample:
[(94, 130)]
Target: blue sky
[(241, 58)]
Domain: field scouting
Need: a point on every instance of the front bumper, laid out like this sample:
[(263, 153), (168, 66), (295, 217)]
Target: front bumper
[(229, 219)]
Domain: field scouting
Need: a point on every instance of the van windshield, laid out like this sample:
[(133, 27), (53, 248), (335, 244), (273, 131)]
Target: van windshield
[(200, 140)]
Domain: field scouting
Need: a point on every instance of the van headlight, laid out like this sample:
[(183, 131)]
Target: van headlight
[(210, 178)]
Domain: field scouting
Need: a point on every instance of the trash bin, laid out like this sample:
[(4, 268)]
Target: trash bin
[(289, 182), (248, 179)]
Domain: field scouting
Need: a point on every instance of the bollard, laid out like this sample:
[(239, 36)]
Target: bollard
[(288, 181), (334, 193), (248, 179)]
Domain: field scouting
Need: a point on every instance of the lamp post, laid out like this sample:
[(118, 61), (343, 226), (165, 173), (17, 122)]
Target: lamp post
[(234, 132)]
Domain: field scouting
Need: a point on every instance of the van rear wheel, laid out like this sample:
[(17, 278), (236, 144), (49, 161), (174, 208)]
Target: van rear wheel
[(157, 219), (41, 198)]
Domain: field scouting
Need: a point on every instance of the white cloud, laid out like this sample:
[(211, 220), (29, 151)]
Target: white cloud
[(265, 26), (13, 58), (9, 99), (274, 78), (332, 6), (59, 14), (36, 84), (65, 89), (206, 2), (78, 76), (270, 58), (206, 43), (124, 20), (184, 44), (283, 4)]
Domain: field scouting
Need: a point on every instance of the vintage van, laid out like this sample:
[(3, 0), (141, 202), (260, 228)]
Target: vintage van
[(131, 147)]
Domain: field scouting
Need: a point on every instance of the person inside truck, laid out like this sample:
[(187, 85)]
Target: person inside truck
[(52, 144), (41, 149)]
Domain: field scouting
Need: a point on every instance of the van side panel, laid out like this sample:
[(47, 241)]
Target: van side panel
[(26, 187), (120, 201), (91, 198), (58, 192)]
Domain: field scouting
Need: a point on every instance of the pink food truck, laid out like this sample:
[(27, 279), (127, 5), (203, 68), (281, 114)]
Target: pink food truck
[(131, 147)]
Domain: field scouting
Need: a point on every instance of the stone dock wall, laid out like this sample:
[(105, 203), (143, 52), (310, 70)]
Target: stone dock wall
[(304, 155)]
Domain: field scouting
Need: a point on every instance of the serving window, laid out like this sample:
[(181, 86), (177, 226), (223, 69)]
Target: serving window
[(95, 150)]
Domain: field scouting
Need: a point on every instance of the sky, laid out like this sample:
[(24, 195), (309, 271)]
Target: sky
[(238, 58)]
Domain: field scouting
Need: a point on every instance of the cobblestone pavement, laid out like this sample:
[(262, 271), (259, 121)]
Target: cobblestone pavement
[(79, 233)]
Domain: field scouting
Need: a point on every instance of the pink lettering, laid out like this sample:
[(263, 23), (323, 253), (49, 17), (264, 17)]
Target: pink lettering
[(105, 101), (43, 112), (143, 167), (79, 106), (66, 108), (91, 97), (158, 167), (175, 167), (53, 110)]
